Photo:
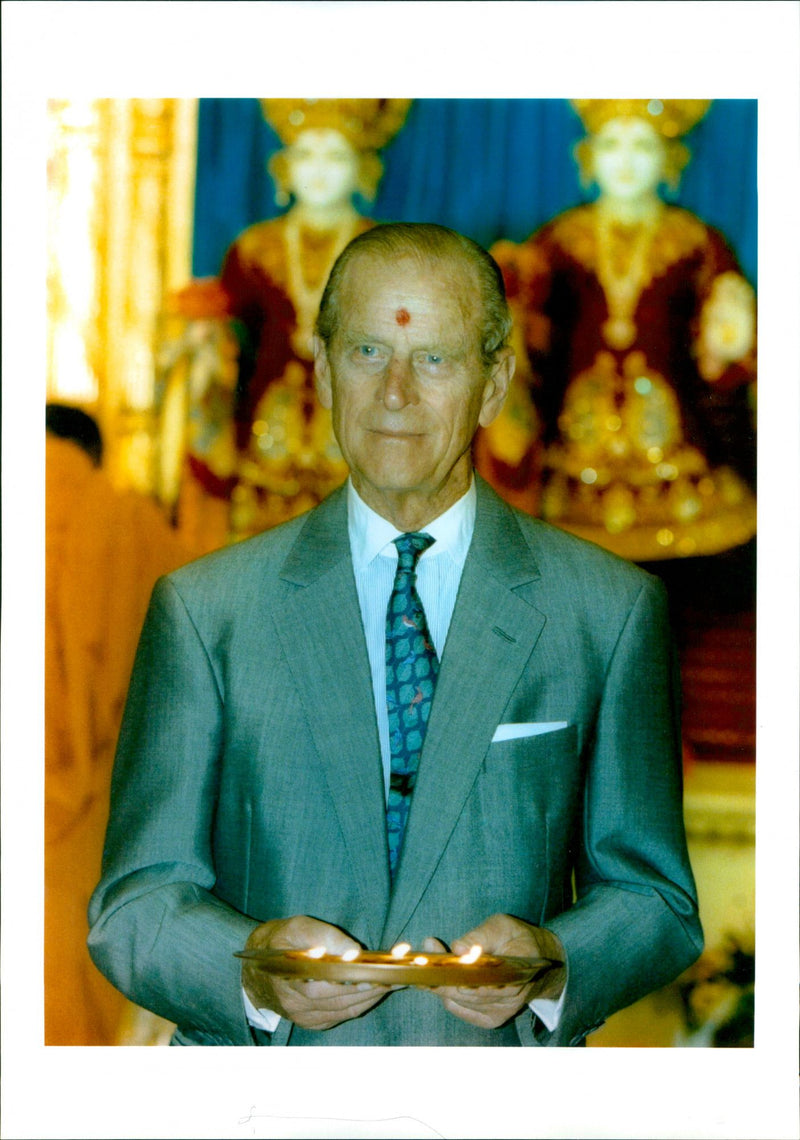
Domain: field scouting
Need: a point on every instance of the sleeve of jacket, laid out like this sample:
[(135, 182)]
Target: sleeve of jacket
[(633, 926), (157, 930)]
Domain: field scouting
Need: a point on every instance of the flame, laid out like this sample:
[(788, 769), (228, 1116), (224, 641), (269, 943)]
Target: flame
[(316, 952), (400, 950), (351, 955), (472, 955)]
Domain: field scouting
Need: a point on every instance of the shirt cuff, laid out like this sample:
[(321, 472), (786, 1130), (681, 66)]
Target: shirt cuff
[(265, 1018), (548, 1010)]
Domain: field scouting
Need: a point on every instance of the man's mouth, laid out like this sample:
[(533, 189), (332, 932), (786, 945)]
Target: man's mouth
[(392, 433)]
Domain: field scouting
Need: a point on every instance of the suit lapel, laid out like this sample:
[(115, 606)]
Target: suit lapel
[(321, 631), (492, 634)]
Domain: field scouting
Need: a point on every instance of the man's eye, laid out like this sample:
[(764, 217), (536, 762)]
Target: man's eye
[(430, 360), (368, 350)]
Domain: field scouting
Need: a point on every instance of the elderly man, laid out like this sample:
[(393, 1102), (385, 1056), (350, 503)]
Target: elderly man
[(412, 714)]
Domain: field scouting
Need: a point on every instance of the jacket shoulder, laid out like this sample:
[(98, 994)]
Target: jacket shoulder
[(263, 553), (571, 564)]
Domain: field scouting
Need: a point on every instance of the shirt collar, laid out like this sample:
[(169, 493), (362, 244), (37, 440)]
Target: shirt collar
[(371, 534)]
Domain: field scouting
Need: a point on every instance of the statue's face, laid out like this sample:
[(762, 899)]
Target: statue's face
[(323, 167), (628, 158)]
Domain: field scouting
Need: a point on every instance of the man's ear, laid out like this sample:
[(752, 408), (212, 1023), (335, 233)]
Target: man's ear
[(496, 387), (322, 374)]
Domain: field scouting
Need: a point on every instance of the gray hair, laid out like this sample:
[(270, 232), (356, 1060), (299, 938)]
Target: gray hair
[(427, 243)]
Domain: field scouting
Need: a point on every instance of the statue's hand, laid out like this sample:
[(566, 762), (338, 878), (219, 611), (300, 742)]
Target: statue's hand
[(727, 325)]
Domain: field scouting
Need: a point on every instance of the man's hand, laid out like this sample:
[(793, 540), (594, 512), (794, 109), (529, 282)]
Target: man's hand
[(491, 1006), (310, 1004)]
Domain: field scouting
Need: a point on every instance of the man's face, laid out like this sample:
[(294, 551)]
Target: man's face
[(406, 382)]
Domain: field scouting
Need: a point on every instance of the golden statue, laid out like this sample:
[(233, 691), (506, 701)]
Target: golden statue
[(262, 446), (639, 341)]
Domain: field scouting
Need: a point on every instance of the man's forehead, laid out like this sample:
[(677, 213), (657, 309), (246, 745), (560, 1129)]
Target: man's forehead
[(373, 272)]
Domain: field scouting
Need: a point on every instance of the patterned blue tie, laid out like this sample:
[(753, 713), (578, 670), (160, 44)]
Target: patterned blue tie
[(411, 670)]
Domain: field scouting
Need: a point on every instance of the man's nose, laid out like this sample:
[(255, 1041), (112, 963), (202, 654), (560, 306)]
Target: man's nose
[(399, 385)]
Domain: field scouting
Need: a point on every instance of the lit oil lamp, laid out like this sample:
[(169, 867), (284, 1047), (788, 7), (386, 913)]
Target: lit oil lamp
[(471, 955), (401, 966)]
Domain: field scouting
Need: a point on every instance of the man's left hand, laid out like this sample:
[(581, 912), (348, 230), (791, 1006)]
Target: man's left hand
[(491, 1006)]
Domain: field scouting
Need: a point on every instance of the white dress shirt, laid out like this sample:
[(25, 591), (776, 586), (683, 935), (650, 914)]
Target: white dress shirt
[(438, 577)]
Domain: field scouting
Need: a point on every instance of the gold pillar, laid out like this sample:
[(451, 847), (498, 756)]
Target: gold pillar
[(121, 183)]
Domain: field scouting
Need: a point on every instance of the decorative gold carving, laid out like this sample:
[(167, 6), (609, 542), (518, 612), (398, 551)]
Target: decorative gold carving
[(622, 473)]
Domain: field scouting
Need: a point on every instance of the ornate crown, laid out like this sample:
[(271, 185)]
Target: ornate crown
[(368, 124), (670, 117)]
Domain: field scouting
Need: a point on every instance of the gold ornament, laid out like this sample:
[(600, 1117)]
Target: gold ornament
[(670, 117), (623, 475), (368, 124), (304, 285), (623, 271)]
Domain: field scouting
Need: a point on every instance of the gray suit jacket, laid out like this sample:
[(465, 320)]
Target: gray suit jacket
[(248, 781)]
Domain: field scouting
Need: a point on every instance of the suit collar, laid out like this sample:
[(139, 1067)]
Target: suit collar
[(371, 534), (498, 543), (322, 543)]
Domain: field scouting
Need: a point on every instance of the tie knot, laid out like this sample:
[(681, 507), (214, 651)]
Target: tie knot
[(410, 547)]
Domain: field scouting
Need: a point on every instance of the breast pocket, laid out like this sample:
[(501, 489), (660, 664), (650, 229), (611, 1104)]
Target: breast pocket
[(528, 796), (527, 729), (509, 833), (555, 745), (535, 778)]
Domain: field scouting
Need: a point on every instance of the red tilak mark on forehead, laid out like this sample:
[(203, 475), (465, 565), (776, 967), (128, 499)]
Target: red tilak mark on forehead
[(402, 316)]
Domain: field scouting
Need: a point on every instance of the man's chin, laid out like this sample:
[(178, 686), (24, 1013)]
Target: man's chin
[(389, 485), (397, 466)]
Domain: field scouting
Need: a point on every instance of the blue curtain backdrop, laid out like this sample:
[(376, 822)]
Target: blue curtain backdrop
[(491, 168)]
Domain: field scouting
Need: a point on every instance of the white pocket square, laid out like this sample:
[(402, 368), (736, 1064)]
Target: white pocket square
[(531, 728)]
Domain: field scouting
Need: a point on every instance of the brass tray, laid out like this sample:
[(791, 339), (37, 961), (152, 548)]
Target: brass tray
[(411, 969)]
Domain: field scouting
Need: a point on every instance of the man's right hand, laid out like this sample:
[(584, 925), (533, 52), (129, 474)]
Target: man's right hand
[(310, 1004)]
